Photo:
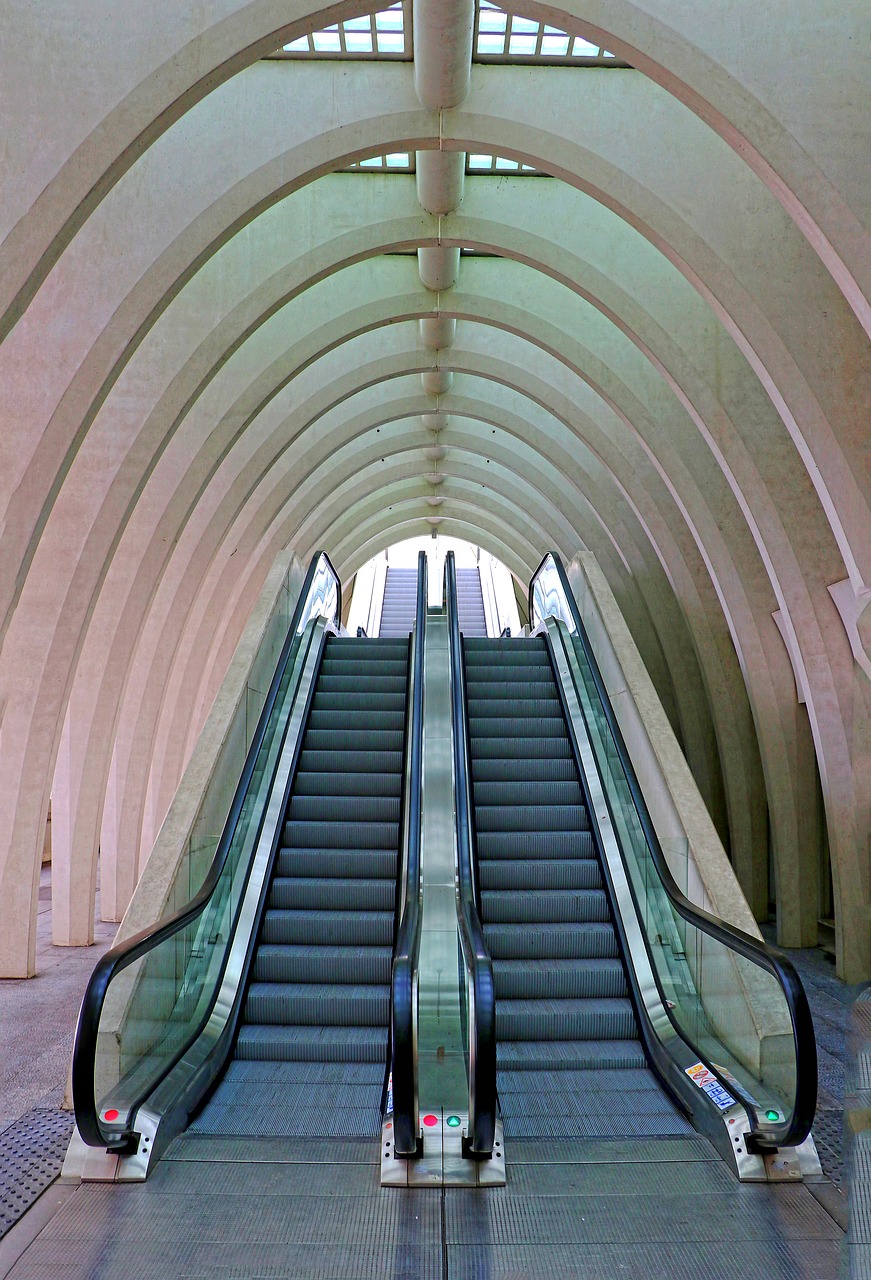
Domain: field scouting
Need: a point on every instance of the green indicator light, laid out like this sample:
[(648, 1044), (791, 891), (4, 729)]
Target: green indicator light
[(772, 1115), (453, 1122)]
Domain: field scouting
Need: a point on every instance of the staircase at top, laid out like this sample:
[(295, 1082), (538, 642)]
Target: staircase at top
[(399, 606), (470, 603), (569, 1060), (311, 1053)]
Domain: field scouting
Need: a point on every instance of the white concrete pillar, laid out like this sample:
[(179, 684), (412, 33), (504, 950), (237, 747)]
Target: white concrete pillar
[(436, 382), (438, 332), (441, 177), (443, 32), (73, 879), (439, 267)]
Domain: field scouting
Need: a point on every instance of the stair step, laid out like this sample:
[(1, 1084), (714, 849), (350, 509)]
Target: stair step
[(316, 1005), (319, 893)]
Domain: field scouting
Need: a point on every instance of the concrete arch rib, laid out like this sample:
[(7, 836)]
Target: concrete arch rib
[(721, 74), (708, 270)]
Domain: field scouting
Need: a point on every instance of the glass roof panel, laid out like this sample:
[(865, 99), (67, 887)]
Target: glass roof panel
[(384, 33), (527, 40)]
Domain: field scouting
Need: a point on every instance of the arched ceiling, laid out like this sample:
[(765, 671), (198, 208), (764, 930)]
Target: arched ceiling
[(219, 341)]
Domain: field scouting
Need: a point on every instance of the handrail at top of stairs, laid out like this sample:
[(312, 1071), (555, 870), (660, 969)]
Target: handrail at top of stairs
[(403, 997), (93, 1129), (481, 1011), (764, 1133)]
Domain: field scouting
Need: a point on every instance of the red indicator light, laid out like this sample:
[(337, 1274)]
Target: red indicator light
[(110, 1115), (430, 1120)]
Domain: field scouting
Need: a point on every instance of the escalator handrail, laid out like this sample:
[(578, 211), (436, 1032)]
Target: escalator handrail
[(139, 944), (476, 955), (756, 950), (403, 1033)]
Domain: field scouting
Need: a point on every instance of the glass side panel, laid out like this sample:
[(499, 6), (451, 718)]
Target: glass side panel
[(732, 1010), (155, 1005)]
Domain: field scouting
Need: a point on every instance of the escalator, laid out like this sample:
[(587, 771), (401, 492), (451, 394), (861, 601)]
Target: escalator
[(279, 998), (570, 1060), (470, 602), (602, 1002), (399, 604), (316, 1017)]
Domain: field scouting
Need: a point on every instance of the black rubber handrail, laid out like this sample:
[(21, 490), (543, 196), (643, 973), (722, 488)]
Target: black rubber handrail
[(758, 952), (403, 1004), (476, 956), (133, 948)]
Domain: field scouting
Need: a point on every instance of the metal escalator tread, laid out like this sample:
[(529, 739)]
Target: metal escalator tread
[(311, 1050), (567, 1041)]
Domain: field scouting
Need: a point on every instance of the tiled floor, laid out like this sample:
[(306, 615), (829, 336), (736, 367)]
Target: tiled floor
[(551, 1220)]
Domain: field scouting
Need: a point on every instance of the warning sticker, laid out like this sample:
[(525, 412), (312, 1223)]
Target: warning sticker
[(700, 1075)]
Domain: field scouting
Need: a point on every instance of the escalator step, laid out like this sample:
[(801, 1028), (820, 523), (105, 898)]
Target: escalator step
[(360, 700), (539, 818), (548, 906), (533, 748), (525, 791), (545, 844), (341, 835), (312, 1044), (366, 864), (504, 727), (523, 769), (317, 1005), (507, 690), (353, 720), (319, 893), (342, 928), (362, 669), (356, 761), (335, 684), (552, 941), (344, 809), (558, 979), (323, 964), (583, 1019), (353, 740), (347, 784), (572, 1055), (540, 873)]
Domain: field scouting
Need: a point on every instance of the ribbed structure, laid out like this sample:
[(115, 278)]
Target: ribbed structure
[(569, 1059), (312, 1046), (470, 603), (399, 606)]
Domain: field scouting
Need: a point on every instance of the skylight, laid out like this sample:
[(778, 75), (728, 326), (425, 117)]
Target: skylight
[(383, 34), (404, 162), (394, 161), (497, 164), (508, 37)]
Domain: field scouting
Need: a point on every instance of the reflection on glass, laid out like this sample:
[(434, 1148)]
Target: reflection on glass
[(157, 1004), (732, 1010)]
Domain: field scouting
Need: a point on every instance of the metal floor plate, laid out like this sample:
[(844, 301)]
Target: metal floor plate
[(216, 1209), (31, 1154)]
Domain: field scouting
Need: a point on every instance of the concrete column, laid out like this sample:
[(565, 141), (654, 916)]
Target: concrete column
[(440, 180), (439, 267)]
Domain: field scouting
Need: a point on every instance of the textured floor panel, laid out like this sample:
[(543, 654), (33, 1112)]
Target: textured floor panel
[(294, 1117), (765, 1260), (120, 1214), (748, 1213), (195, 1178), (701, 1178), (608, 1151), (272, 1150), (416, 1253), (31, 1154)]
